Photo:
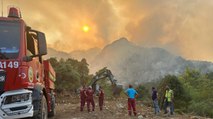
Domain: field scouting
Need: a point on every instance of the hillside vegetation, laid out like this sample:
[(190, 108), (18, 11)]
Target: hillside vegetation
[(192, 92), (70, 73)]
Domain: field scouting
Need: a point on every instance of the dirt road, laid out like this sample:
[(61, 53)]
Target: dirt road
[(68, 108)]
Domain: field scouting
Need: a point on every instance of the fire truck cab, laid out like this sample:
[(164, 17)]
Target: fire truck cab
[(26, 80)]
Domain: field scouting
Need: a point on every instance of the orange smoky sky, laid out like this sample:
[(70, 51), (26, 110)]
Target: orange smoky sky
[(183, 27)]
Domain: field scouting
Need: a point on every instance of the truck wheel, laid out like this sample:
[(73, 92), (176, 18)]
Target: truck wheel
[(42, 114), (53, 112)]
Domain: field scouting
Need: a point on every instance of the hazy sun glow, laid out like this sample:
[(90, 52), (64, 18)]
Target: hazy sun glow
[(168, 24), (85, 28)]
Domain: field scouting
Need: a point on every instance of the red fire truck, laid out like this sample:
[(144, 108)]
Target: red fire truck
[(26, 80)]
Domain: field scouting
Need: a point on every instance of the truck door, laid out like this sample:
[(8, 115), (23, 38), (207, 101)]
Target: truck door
[(35, 66)]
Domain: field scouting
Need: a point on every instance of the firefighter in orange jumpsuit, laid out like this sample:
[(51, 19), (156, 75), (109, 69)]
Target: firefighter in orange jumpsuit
[(101, 98), (83, 98), (89, 95)]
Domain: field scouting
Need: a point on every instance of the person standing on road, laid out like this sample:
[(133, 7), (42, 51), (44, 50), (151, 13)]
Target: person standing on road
[(155, 100), (131, 93), (82, 97), (169, 100), (101, 98), (90, 99)]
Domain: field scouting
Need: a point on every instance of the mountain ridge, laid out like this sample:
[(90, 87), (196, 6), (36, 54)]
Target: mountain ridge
[(132, 63)]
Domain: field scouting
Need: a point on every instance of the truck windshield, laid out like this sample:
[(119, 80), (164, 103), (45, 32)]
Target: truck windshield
[(9, 39)]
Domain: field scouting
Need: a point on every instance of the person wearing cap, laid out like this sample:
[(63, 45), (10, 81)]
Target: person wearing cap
[(90, 99), (101, 98), (82, 97), (131, 93), (155, 100), (169, 98)]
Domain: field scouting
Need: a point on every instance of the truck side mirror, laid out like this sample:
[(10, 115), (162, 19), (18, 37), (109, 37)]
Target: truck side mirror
[(42, 45)]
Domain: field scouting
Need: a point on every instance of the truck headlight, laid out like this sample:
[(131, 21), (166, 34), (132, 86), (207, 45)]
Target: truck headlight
[(17, 98)]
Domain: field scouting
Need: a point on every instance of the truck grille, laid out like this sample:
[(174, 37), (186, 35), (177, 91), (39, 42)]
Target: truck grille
[(2, 80)]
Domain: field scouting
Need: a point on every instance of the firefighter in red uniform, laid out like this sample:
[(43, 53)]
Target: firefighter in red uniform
[(83, 97), (89, 95), (101, 98)]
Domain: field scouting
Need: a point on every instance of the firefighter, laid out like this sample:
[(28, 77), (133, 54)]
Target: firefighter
[(131, 93), (82, 97), (89, 95), (101, 98)]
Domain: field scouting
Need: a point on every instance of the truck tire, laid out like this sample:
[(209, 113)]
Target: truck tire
[(42, 113), (53, 112)]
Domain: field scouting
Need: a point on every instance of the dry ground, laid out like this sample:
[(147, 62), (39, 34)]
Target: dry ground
[(69, 108)]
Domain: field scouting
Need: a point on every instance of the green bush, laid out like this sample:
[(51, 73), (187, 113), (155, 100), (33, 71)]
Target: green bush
[(181, 97), (203, 108), (70, 73), (199, 86)]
